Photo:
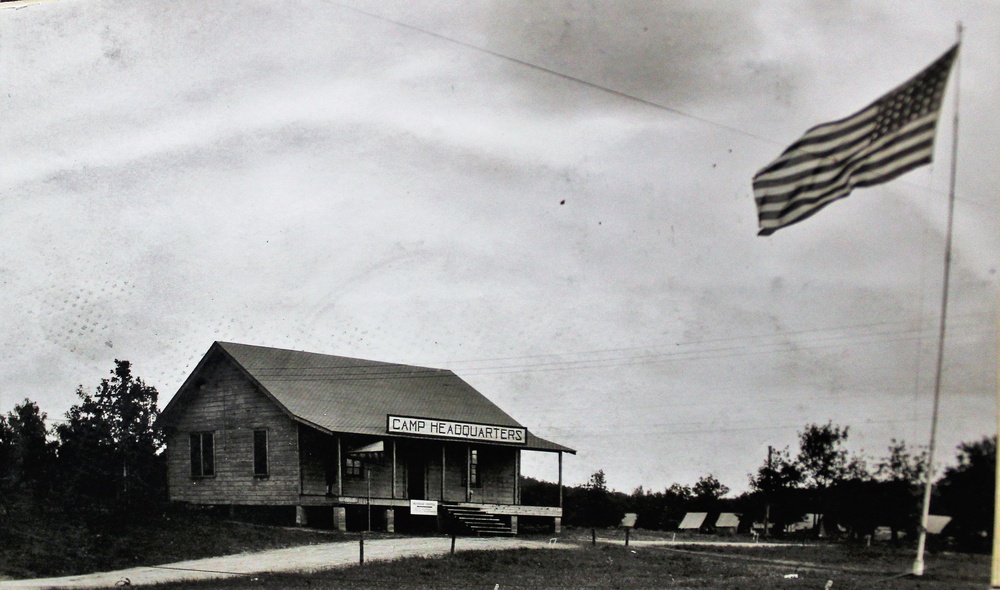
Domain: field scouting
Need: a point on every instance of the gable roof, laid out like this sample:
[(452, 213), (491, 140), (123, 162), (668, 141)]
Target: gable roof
[(341, 394)]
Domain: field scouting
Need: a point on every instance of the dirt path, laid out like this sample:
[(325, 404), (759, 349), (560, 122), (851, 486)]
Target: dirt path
[(295, 559)]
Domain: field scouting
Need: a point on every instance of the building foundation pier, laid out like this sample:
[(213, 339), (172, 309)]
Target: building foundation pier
[(340, 518), (390, 520)]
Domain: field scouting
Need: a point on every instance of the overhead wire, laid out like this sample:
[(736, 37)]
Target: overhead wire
[(557, 73), (368, 373), (701, 341), (584, 82)]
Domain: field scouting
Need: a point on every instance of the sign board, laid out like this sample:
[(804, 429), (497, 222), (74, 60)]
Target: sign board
[(458, 430), (423, 507), (629, 520)]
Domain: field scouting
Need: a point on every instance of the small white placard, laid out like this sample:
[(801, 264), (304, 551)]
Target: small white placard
[(423, 507)]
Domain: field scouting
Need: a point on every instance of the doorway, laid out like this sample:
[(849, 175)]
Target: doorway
[(416, 478)]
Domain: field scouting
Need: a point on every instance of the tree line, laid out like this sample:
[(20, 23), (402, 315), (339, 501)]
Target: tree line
[(106, 457), (850, 494)]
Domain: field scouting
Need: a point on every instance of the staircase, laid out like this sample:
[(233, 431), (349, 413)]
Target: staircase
[(478, 521)]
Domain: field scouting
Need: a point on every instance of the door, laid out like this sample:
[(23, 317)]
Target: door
[(416, 469)]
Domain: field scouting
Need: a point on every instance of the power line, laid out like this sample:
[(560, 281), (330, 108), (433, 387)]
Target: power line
[(338, 375), (400, 367), (372, 369), (662, 428), (587, 83), (725, 399), (559, 74), (702, 341)]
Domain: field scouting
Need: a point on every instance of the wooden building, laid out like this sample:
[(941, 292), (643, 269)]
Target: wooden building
[(338, 437)]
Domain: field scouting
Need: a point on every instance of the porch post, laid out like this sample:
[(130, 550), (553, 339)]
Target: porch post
[(468, 473), (340, 469), (560, 481), (517, 476), (393, 469), (557, 521), (443, 470)]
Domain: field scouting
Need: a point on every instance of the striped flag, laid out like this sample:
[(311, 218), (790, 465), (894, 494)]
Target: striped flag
[(886, 139)]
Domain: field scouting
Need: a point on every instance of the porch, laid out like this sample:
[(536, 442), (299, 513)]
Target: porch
[(378, 477)]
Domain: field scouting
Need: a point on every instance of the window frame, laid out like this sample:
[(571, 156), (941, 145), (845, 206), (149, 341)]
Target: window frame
[(354, 468), (198, 462), (472, 471), (266, 459)]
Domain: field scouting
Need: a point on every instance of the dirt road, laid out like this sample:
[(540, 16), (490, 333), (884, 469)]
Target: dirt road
[(296, 559)]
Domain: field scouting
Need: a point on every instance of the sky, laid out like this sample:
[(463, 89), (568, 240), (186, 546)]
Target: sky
[(553, 200)]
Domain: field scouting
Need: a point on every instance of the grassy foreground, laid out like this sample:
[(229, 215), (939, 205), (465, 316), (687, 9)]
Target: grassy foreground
[(36, 544), (614, 566)]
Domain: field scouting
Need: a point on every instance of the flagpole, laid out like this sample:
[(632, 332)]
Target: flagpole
[(918, 563), (995, 568)]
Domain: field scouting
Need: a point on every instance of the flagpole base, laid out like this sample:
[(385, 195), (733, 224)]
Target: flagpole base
[(918, 567)]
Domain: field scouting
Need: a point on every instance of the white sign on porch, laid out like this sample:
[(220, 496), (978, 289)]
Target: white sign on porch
[(423, 507)]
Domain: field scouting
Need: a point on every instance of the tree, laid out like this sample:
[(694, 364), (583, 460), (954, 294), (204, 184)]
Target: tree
[(6, 454), (823, 461), (708, 490), (648, 506), (110, 444), (26, 453), (680, 492), (778, 472), (899, 477), (822, 457), (776, 480), (965, 492), (851, 502), (901, 464), (595, 505), (598, 481)]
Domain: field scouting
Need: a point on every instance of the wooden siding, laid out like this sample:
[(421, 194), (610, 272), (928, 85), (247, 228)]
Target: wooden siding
[(497, 474), (318, 454), (231, 407)]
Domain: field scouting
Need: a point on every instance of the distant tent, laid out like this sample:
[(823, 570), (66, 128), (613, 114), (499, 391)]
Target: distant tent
[(728, 520), (692, 521), (936, 523), (882, 533), (807, 523)]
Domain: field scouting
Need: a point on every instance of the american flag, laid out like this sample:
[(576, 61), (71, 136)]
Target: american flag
[(886, 139)]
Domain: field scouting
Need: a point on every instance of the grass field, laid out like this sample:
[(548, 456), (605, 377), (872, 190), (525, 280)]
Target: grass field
[(41, 545), (646, 566), (51, 546)]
